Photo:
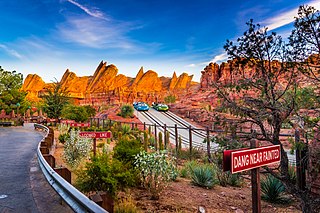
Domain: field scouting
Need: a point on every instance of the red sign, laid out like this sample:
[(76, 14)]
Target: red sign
[(67, 121), (79, 124), (246, 159), (96, 134)]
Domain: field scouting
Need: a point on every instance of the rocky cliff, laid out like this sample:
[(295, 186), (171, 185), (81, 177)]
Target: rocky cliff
[(106, 85), (33, 84)]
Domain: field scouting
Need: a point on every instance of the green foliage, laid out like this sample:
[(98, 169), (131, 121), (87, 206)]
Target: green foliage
[(63, 137), (11, 98), (160, 141), (104, 174), (76, 149), (156, 170), (55, 99), (76, 113), (273, 190), (126, 111), (167, 140), (305, 40), (203, 175), (145, 141), (170, 99), (195, 154), (125, 150)]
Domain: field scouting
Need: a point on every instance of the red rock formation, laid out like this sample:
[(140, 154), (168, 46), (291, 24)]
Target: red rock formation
[(106, 86), (73, 84), (32, 85)]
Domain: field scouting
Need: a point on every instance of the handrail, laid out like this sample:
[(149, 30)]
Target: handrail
[(74, 198)]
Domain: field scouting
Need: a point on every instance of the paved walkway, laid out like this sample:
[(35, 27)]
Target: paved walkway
[(23, 188)]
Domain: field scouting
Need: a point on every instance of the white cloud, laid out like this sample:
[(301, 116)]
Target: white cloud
[(96, 34), (94, 12), (11, 52), (219, 58), (191, 65), (286, 17)]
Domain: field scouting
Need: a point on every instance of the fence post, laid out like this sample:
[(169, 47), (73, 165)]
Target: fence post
[(190, 142), (301, 175), (165, 136), (98, 122), (208, 145), (132, 125), (144, 126), (155, 136), (176, 137)]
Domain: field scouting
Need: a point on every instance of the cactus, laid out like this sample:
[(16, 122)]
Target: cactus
[(180, 144), (160, 141), (145, 140), (119, 135), (167, 140)]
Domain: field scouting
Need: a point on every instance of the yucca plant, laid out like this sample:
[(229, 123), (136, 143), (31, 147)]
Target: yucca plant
[(203, 176), (273, 190)]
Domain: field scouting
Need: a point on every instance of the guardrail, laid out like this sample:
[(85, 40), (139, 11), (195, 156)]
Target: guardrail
[(74, 198)]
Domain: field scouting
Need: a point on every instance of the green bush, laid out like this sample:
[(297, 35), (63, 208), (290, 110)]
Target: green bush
[(170, 99), (273, 190), (155, 170), (126, 111), (77, 113), (63, 137), (185, 154), (104, 174), (126, 149), (203, 175)]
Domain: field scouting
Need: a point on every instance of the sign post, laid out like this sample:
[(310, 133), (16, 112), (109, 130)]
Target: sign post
[(255, 184), (252, 159), (95, 135)]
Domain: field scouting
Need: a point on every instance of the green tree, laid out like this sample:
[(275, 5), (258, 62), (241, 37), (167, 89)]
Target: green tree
[(263, 80), (77, 113), (305, 41), (10, 95), (55, 99)]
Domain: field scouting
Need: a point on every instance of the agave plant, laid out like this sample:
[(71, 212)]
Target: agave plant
[(273, 190), (203, 175)]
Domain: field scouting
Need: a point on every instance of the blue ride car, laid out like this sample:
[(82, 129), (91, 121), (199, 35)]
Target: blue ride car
[(141, 106)]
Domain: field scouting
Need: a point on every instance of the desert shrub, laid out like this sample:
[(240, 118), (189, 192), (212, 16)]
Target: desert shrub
[(63, 137), (126, 205), (203, 175), (126, 111), (76, 149), (126, 149), (104, 174), (292, 174), (235, 180), (184, 172), (170, 99), (195, 154), (155, 170), (273, 190)]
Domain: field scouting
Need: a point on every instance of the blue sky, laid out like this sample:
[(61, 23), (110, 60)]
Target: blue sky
[(48, 36)]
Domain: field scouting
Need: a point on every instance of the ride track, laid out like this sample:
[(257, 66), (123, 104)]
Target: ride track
[(162, 120)]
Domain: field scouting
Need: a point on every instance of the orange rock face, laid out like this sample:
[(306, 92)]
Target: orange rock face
[(33, 84), (106, 85)]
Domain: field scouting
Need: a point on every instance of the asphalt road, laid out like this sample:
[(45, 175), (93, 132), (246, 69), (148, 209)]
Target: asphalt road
[(23, 188)]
